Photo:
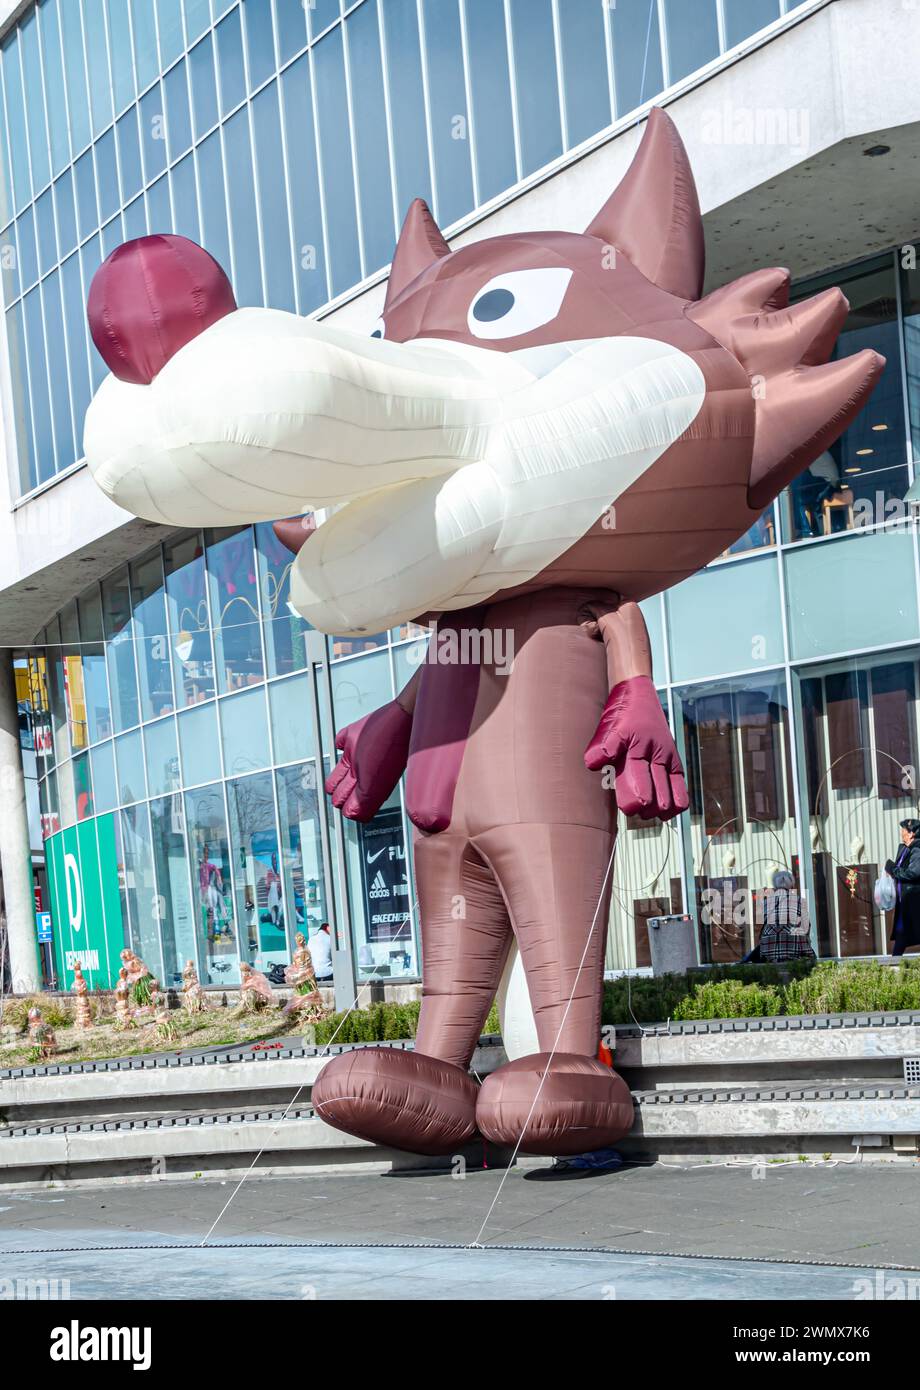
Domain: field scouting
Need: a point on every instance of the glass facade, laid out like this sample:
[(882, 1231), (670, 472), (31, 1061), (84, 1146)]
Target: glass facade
[(288, 137)]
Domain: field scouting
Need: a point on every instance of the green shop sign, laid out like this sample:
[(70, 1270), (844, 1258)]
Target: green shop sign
[(83, 880)]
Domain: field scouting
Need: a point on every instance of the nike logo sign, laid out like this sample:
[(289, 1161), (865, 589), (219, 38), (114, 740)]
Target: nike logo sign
[(372, 857)]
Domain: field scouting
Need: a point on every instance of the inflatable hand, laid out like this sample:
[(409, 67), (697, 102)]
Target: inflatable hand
[(374, 754), (634, 737)]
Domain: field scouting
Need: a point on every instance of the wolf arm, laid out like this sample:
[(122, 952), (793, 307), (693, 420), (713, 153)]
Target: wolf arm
[(633, 735), (374, 752)]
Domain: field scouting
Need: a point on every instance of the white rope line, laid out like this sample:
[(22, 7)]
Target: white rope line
[(350, 1010), (477, 1243)]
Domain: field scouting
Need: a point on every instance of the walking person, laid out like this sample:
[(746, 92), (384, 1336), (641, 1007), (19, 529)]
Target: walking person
[(905, 870)]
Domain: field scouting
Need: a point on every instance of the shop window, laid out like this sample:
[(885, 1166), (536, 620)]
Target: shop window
[(140, 887), (105, 786), (95, 681), (861, 479), (910, 301), (161, 757), (257, 871), (199, 745), (360, 687), (189, 629), (152, 643), (292, 719), (129, 757), (83, 788), (119, 651), (212, 886), (234, 608), (859, 731), (244, 729), (300, 808), (740, 827), (177, 917), (381, 895)]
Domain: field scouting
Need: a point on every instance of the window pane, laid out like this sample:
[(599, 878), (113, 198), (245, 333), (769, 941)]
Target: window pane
[(292, 719), (360, 686), (177, 916), (584, 63), (749, 631), (16, 118), (306, 224), (44, 226), (104, 784), (97, 63), (851, 593), (292, 31), (335, 145), (214, 234), (119, 632), (384, 937), (161, 756), (204, 84), (491, 89), (260, 41), (744, 17), (247, 273), (129, 758), (159, 211), (322, 13), (169, 22), (285, 630), (276, 237), (85, 178), (150, 636), (145, 41), (185, 199), (19, 383), (38, 377), (372, 148), (65, 208), (28, 249), (234, 607), (244, 730), (53, 65), (230, 62), (693, 36), (300, 807), (65, 446), (135, 216), (407, 102), (209, 852), (449, 115), (852, 482), (90, 261), (178, 115), (107, 176), (190, 637), (910, 289), (197, 18), (198, 744), (535, 80), (77, 341), (35, 105), (636, 53), (259, 894), (140, 887), (122, 57), (83, 788), (153, 133), (77, 99)]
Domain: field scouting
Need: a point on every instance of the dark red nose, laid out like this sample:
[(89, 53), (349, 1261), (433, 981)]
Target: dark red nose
[(149, 298)]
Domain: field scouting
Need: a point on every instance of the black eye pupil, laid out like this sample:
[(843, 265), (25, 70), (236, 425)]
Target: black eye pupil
[(493, 305)]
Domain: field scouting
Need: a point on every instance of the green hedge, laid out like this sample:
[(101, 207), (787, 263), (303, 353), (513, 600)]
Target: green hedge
[(727, 991)]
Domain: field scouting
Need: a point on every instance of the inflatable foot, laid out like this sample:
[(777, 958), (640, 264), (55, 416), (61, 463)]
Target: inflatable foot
[(582, 1105), (402, 1099)]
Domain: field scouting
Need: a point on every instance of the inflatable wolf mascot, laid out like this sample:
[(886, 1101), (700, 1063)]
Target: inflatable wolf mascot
[(543, 429)]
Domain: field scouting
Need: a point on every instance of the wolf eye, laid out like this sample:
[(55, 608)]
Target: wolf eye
[(379, 329), (518, 302)]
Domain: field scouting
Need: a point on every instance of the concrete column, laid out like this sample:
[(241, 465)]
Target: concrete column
[(15, 851)]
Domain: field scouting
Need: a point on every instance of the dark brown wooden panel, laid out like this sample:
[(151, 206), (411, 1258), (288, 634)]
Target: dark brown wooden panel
[(813, 739), (893, 718), (856, 911), (758, 718), (846, 697), (643, 909), (715, 732), (692, 768), (723, 937), (823, 872)]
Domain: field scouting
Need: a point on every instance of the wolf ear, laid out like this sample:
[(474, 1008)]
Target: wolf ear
[(420, 243), (653, 216)]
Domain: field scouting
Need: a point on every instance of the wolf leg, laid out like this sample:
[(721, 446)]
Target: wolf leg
[(425, 1101), (556, 884)]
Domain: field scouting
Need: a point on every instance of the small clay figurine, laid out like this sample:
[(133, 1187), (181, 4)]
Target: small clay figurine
[(300, 971), (192, 994), (41, 1034), (123, 1017), (83, 1014), (135, 967), (255, 991)]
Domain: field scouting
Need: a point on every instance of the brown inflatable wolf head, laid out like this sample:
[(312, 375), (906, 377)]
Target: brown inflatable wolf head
[(534, 409)]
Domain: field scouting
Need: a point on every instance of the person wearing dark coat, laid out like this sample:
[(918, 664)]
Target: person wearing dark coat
[(905, 870)]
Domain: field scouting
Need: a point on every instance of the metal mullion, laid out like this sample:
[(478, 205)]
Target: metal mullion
[(663, 45), (720, 20), (512, 82), (611, 69), (359, 221), (560, 75), (468, 92), (426, 97), (317, 144), (244, 28), (388, 115)]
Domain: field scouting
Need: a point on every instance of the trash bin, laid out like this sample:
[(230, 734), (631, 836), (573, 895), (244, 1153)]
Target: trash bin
[(672, 941)]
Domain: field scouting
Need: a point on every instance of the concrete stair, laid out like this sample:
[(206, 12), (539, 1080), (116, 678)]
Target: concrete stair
[(748, 1089)]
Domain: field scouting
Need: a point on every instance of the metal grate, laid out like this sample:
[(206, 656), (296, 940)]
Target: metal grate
[(912, 1071)]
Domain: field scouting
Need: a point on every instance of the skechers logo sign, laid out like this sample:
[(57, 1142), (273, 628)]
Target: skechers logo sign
[(76, 1343)]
